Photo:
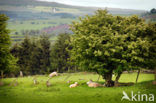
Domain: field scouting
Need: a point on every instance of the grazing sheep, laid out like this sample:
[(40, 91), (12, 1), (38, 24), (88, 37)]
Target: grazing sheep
[(53, 74), (48, 84), (73, 85), (94, 84), (35, 81)]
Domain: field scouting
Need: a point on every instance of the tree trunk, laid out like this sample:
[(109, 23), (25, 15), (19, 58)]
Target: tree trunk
[(108, 80), (21, 74), (117, 79), (137, 75)]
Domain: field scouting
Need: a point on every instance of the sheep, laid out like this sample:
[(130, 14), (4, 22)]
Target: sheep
[(94, 84), (48, 84), (53, 74), (73, 85), (35, 81), (89, 82)]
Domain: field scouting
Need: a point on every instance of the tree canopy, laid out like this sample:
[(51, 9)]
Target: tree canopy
[(7, 61), (109, 44), (4, 43), (33, 55), (59, 54)]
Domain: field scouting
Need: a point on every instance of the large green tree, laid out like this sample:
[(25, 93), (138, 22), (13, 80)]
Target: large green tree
[(105, 44), (45, 53), (4, 44), (24, 54), (152, 35), (35, 59), (7, 61)]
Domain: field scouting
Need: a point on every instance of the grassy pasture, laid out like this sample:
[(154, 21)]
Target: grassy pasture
[(18, 26), (36, 24), (49, 9), (60, 92)]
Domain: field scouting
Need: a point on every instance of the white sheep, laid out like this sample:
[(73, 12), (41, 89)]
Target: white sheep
[(94, 84), (35, 81), (53, 74), (73, 85)]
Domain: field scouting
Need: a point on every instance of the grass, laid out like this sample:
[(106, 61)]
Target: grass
[(59, 9), (18, 26), (60, 92), (38, 24)]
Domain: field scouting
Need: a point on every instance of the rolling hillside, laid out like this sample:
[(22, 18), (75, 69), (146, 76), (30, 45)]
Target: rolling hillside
[(32, 9), (30, 15)]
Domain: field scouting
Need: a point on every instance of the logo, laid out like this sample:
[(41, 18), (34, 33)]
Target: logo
[(137, 97)]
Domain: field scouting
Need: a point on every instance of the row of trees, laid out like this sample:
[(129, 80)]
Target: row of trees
[(38, 56), (32, 55), (101, 43)]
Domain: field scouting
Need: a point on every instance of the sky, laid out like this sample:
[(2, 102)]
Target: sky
[(126, 4)]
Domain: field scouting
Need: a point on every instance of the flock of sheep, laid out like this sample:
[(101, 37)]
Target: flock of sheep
[(90, 83), (48, 84)]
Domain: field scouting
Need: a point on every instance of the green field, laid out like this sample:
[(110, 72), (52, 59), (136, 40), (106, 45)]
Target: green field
[(36, 24), (60, 92), (19, 26)]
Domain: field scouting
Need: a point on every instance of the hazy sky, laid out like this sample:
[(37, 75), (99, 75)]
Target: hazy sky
[(129, 4)]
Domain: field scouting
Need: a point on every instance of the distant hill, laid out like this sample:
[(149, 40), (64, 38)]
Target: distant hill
[(36, 17), (32, 9)]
